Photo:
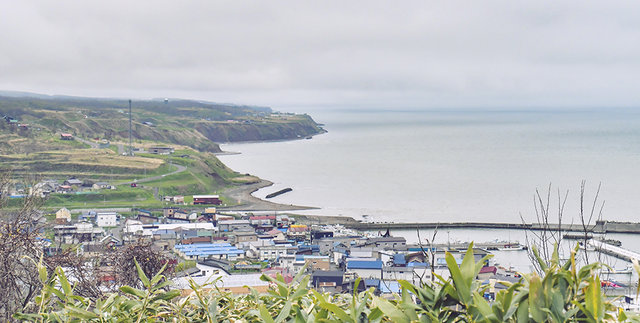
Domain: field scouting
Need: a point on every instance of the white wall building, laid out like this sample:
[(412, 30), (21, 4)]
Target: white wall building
[(107, 219)]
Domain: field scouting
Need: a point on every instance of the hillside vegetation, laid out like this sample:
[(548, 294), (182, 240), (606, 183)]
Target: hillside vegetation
[(31, 145), (194, 124)]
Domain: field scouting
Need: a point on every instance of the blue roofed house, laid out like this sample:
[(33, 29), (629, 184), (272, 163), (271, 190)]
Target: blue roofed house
[(365, 268), (399, 260), (389, 287), (204, 251)]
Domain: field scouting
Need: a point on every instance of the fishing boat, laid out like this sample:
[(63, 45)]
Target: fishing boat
[(511, 247)]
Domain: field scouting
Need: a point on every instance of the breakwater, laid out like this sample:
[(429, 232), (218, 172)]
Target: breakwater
[(280, 192), (599, 227)]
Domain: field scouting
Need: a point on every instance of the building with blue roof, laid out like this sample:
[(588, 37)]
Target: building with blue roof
[(365, 268), (389, 287), (202, 251), (399, 260)]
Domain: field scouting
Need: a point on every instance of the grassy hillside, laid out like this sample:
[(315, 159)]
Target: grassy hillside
[(194, 124), (31, 146)]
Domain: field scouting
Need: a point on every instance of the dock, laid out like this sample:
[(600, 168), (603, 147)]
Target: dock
[(614, 251)]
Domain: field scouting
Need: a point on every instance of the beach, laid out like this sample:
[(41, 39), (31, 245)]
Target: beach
[(249, 203)]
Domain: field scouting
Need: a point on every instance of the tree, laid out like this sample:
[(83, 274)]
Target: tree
[(548, 233), (150, 260), (20, 245)]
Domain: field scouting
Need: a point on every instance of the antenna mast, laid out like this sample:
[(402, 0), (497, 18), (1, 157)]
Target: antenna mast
[(130, 146)]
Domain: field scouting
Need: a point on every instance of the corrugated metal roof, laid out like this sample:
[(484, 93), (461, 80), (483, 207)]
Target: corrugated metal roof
[(364, 264), (399, 259)]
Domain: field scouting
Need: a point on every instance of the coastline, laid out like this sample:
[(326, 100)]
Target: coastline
[(265, 141), (244, 194), (247, 202)]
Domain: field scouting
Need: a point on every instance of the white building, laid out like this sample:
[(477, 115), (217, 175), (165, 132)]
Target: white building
[(107, 219), (274, 251)]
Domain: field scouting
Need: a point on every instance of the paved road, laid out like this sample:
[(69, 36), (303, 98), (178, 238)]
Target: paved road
[(153, 178), (90, 143)]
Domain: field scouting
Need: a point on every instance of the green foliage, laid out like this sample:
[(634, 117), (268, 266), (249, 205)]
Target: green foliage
[(563, 293)]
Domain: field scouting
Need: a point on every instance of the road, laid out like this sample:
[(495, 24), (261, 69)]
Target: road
[(90, 143), (153, 178)]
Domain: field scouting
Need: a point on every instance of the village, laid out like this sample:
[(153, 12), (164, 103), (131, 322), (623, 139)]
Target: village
[(232, 251)]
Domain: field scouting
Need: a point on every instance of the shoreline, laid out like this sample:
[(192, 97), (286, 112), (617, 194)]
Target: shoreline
[(267, 141), (244, 194), (247, 202)]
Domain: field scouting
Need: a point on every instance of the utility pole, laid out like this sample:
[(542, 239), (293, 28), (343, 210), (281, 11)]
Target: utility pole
[(130, 146)]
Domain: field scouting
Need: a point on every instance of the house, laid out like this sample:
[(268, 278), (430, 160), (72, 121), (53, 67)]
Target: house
[(274, 234), (397, 273), (209, 211), (45, 187), (169, 211), (64, 189), (234, 284), (244, 236), (180, 214), (262, 220), (66, 136), (389, 243), (317, 262), (365, 268), (275, 251), (298, 232), (284, 221), (101, 185), (88, 216), (107, 219), (161, 150), (487, 272), (234, 225), (178, 199), (197, 240), (73, 182), (147, 218), (206, 199), (63, 216), (328, 280), (200, 251), (77, 233), (360, 252), (176, 220)]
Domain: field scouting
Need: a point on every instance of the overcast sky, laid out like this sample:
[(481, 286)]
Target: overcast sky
[(288, 54)]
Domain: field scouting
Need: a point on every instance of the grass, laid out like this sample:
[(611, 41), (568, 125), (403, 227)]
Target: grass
[(121, 197)]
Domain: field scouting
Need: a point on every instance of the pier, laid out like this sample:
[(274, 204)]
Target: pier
[(613, 250)]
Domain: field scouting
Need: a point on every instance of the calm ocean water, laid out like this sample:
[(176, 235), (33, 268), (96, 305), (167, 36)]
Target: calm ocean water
[(453, 165)]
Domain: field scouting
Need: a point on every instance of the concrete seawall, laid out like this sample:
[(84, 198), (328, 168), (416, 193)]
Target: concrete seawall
[(598, 227)]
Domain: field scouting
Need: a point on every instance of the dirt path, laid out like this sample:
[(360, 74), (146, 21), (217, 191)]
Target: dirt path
[(247, 202)]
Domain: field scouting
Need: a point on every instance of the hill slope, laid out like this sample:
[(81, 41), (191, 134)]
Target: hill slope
[(195, 124)]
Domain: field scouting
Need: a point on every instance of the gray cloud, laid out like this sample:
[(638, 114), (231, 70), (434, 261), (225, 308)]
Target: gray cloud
[(293, 53)]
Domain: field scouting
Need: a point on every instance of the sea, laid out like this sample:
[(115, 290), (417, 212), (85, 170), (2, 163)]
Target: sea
[(457, 165)]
